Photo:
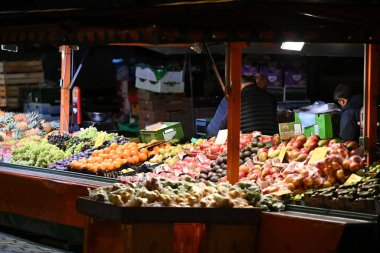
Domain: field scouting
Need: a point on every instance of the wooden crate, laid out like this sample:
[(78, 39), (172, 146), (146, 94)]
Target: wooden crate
[(9, 91), (21, 78), (11, 102), (20, 66)]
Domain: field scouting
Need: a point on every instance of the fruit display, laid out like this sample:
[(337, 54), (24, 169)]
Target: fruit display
[(217, 170), (164, 151), (19, 125), (63, 164), (374, 168), (112, 158), (187, 193), (37, 154), (359, 196)]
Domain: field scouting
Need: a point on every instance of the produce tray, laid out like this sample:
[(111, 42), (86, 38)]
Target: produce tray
[(168, 214), (59, 172)]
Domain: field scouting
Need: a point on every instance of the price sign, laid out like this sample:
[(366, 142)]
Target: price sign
[(194, 140), (318, 154), (222, 137), (352, 179), (281, 156)]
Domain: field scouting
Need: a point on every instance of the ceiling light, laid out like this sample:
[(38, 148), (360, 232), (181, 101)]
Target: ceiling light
[(291, 45)]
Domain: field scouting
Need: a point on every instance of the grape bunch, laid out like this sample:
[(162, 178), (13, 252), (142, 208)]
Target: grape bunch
[(76, 145), (63, 164), (37, 154), (59, 140)]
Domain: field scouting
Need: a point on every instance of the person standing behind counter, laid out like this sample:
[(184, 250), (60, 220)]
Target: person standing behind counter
[(349, 116), (258, 109)]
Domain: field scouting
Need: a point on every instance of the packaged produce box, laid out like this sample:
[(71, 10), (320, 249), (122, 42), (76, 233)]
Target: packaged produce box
[(159, 79), (323, 126), (162, 131), (295, 78), (274, 76), (289, 130)]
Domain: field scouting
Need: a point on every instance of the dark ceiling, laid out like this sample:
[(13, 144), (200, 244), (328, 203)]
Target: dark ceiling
[(157, 22)]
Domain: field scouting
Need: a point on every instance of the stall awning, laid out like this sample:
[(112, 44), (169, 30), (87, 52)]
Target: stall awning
[(162, 22)]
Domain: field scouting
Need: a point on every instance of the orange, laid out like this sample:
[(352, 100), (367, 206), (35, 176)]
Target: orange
[(143, 157), (126, 154), (136, 159), (144, 150), (95, 153), (99, 159), (116, 165), (106, 150), (130, 160), (114, 145), (134, 152)]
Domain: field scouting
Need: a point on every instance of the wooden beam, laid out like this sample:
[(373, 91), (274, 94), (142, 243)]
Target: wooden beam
[(372, 84), (234, 102), (65, 92)]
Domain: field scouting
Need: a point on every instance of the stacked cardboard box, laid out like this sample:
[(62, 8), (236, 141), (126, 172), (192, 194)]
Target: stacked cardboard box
[(156, 107)]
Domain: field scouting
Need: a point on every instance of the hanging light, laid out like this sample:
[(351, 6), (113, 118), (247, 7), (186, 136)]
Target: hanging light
[(292, 45), (196, 47)]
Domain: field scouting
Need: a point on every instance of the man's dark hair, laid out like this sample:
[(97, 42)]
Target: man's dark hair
[(248, 79), (342, 91)]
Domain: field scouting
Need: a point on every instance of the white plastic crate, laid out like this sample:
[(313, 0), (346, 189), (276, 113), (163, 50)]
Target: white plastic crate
[(170, 82)]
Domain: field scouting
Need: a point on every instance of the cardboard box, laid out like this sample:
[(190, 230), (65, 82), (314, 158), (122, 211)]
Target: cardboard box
[(149, 95), (154, 116), (289, 130)]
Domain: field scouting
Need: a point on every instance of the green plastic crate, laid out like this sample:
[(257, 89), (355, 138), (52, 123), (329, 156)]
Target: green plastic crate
[(172, 131)]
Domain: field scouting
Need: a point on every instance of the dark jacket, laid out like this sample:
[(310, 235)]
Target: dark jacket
[(349, 118), (258, 113)]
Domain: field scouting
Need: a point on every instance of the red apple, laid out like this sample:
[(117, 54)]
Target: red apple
[(263, 156), (301, 138), (346, 164), (354, 166), (242, 174)]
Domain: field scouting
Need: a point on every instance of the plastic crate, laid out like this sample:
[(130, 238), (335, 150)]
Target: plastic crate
[(201, 126), (172, 131)]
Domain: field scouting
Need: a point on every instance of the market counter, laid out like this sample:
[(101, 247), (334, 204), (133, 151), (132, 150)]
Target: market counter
[(271, 232), (302, 232), (42, 201)]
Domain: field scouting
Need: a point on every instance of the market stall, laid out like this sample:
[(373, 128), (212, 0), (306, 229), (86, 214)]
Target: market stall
[(100, 162)]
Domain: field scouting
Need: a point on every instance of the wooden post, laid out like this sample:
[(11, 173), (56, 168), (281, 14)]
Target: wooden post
[(234, 102), (65, 51), (372, 77)]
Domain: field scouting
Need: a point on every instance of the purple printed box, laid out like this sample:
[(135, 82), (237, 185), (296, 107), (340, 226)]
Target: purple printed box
[(274, 76), (250, 70), (295, 78)]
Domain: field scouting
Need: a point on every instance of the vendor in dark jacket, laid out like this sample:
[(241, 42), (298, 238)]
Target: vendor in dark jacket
[(349, 116), (258, 109)]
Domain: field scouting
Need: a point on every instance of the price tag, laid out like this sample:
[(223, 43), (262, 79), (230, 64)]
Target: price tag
[(194, 140), (100, 140), (222, 137), (352, 179), (281, 156), (181, 155), (318, 154)]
